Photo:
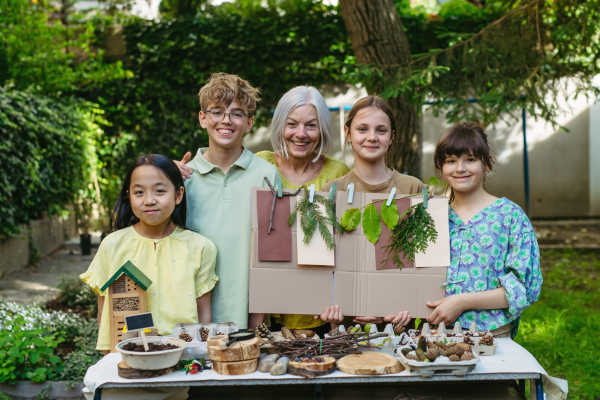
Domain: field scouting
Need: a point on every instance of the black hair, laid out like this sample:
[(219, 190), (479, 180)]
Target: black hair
[(123, 216)]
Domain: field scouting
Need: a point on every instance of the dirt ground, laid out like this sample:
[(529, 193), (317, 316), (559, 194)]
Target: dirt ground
[(583, 233)]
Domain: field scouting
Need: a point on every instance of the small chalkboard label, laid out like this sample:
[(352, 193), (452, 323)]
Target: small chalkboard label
[(139, 321)]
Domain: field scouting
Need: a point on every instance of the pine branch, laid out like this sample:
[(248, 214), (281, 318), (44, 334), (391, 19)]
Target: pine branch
[(312, 218), (410, 235)]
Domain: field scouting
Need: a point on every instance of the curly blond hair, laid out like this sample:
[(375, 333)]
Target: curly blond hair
[(223, 89)]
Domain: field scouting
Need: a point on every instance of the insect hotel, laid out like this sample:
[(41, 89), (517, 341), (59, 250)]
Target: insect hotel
[(126, 296)]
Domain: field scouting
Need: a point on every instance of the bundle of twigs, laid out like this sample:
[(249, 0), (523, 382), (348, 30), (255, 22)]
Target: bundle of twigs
[(341, 345)]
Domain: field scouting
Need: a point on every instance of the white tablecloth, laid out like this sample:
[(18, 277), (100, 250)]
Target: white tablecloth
[(510, 357)]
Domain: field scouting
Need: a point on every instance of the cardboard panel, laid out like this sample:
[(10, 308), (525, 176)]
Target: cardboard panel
[(380, 253), (316, 251), (389, 294), (438, 253), (429, 289), (346, 292), (288, 291), (277, 245)]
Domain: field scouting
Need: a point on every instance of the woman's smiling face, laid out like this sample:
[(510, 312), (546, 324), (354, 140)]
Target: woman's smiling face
[(302, 132), (370, 134)]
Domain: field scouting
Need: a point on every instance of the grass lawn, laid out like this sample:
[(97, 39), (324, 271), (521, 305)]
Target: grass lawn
[(562, 330)]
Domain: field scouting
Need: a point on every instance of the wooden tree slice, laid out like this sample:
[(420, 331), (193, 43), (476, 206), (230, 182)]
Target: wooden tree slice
[(236, 368), (127, 372), (369, 363), (238, 351), (309, 369)]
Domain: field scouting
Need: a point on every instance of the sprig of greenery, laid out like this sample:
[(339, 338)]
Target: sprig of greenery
[(311, 218), (410, 235)]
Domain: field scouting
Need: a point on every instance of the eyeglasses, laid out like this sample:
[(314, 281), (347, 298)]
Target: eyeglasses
[(235, 116)]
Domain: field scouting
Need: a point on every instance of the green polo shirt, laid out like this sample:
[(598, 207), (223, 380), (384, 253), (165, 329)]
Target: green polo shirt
[(218, 207)]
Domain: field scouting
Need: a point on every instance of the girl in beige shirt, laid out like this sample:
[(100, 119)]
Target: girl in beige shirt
[(370, 130)]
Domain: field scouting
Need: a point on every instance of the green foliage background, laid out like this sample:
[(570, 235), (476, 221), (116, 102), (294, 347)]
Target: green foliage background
[(47, 155)]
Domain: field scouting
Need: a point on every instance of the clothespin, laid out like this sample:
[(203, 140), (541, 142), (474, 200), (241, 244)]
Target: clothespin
[(279, 188), (391, 197), (425, 198), (350, 192), (311, 193), (332, 191)]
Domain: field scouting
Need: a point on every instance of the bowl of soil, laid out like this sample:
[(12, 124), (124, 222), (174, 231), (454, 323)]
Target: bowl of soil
[(164, 352)]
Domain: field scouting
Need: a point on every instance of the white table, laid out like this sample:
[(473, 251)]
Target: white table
[(511, 362)]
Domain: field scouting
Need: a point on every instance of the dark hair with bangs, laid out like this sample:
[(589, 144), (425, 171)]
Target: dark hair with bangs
[(123, 216), (463, 138)]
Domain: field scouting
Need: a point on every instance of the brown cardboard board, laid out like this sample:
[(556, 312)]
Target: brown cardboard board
[(277, 245), (289, 291), (357, 286)]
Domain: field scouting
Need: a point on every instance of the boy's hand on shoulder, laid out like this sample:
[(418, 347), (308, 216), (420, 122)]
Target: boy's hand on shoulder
[(186, 172), (446, 310)]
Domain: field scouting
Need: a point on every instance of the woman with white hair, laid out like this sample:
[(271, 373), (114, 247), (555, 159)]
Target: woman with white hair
[(302, 136)]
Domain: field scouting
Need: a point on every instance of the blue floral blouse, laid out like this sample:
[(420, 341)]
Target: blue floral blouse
[(496, 248)]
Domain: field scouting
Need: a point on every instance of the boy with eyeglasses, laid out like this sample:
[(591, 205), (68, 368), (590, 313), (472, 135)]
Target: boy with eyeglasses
[(218, 182)]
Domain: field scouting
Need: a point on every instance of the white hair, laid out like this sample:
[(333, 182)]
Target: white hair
[(294, 98)]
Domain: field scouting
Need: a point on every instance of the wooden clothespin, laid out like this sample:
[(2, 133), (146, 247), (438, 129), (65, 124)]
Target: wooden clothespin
[(350, 193), (332, 191), (279, 188), (311, 193), (425, 198), (391, 197)]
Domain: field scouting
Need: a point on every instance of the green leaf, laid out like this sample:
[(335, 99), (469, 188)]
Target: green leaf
[(54, 359), (371, 223), (390, 215), (39, 342), (351, 219), (35, 357), (14, 352)]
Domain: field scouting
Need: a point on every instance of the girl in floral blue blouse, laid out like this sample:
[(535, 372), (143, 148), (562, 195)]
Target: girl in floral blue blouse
[(494, 269)]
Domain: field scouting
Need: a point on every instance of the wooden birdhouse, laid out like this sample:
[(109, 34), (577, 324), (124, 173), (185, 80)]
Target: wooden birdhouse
[(126, 296)]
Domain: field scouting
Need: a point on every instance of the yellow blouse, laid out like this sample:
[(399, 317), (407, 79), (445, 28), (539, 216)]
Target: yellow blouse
[(332, 169), (181, 267)]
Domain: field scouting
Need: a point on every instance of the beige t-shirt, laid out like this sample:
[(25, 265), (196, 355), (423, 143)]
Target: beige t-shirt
[(404, 184)]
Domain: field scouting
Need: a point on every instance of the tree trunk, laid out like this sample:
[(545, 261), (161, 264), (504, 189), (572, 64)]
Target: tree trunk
[(378, 37)]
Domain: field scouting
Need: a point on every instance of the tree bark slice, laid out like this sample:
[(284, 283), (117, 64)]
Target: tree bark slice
[(308, 369), (236, 367), (378, 37), (127, 372), (369, 363), (238, 351)]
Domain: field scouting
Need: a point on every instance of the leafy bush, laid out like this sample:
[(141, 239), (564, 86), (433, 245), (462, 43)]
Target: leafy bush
[(47, 155), (74, 341), (75, 294), (28, 354)]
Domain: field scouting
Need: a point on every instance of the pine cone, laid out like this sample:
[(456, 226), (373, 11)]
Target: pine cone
[(186, 337), (467, 357), (468, 340), (303, 333), (465, 346), (454, 357), (219, 334), (204, 334), (262, 331), (285, 331), (487, 340), (398, 329), (432, 353), (335, 332)]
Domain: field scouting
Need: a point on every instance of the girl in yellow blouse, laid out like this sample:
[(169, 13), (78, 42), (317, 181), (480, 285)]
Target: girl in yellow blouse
[(149, 220)]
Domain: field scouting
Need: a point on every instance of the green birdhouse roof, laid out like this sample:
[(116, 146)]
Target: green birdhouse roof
[(132, 272)]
